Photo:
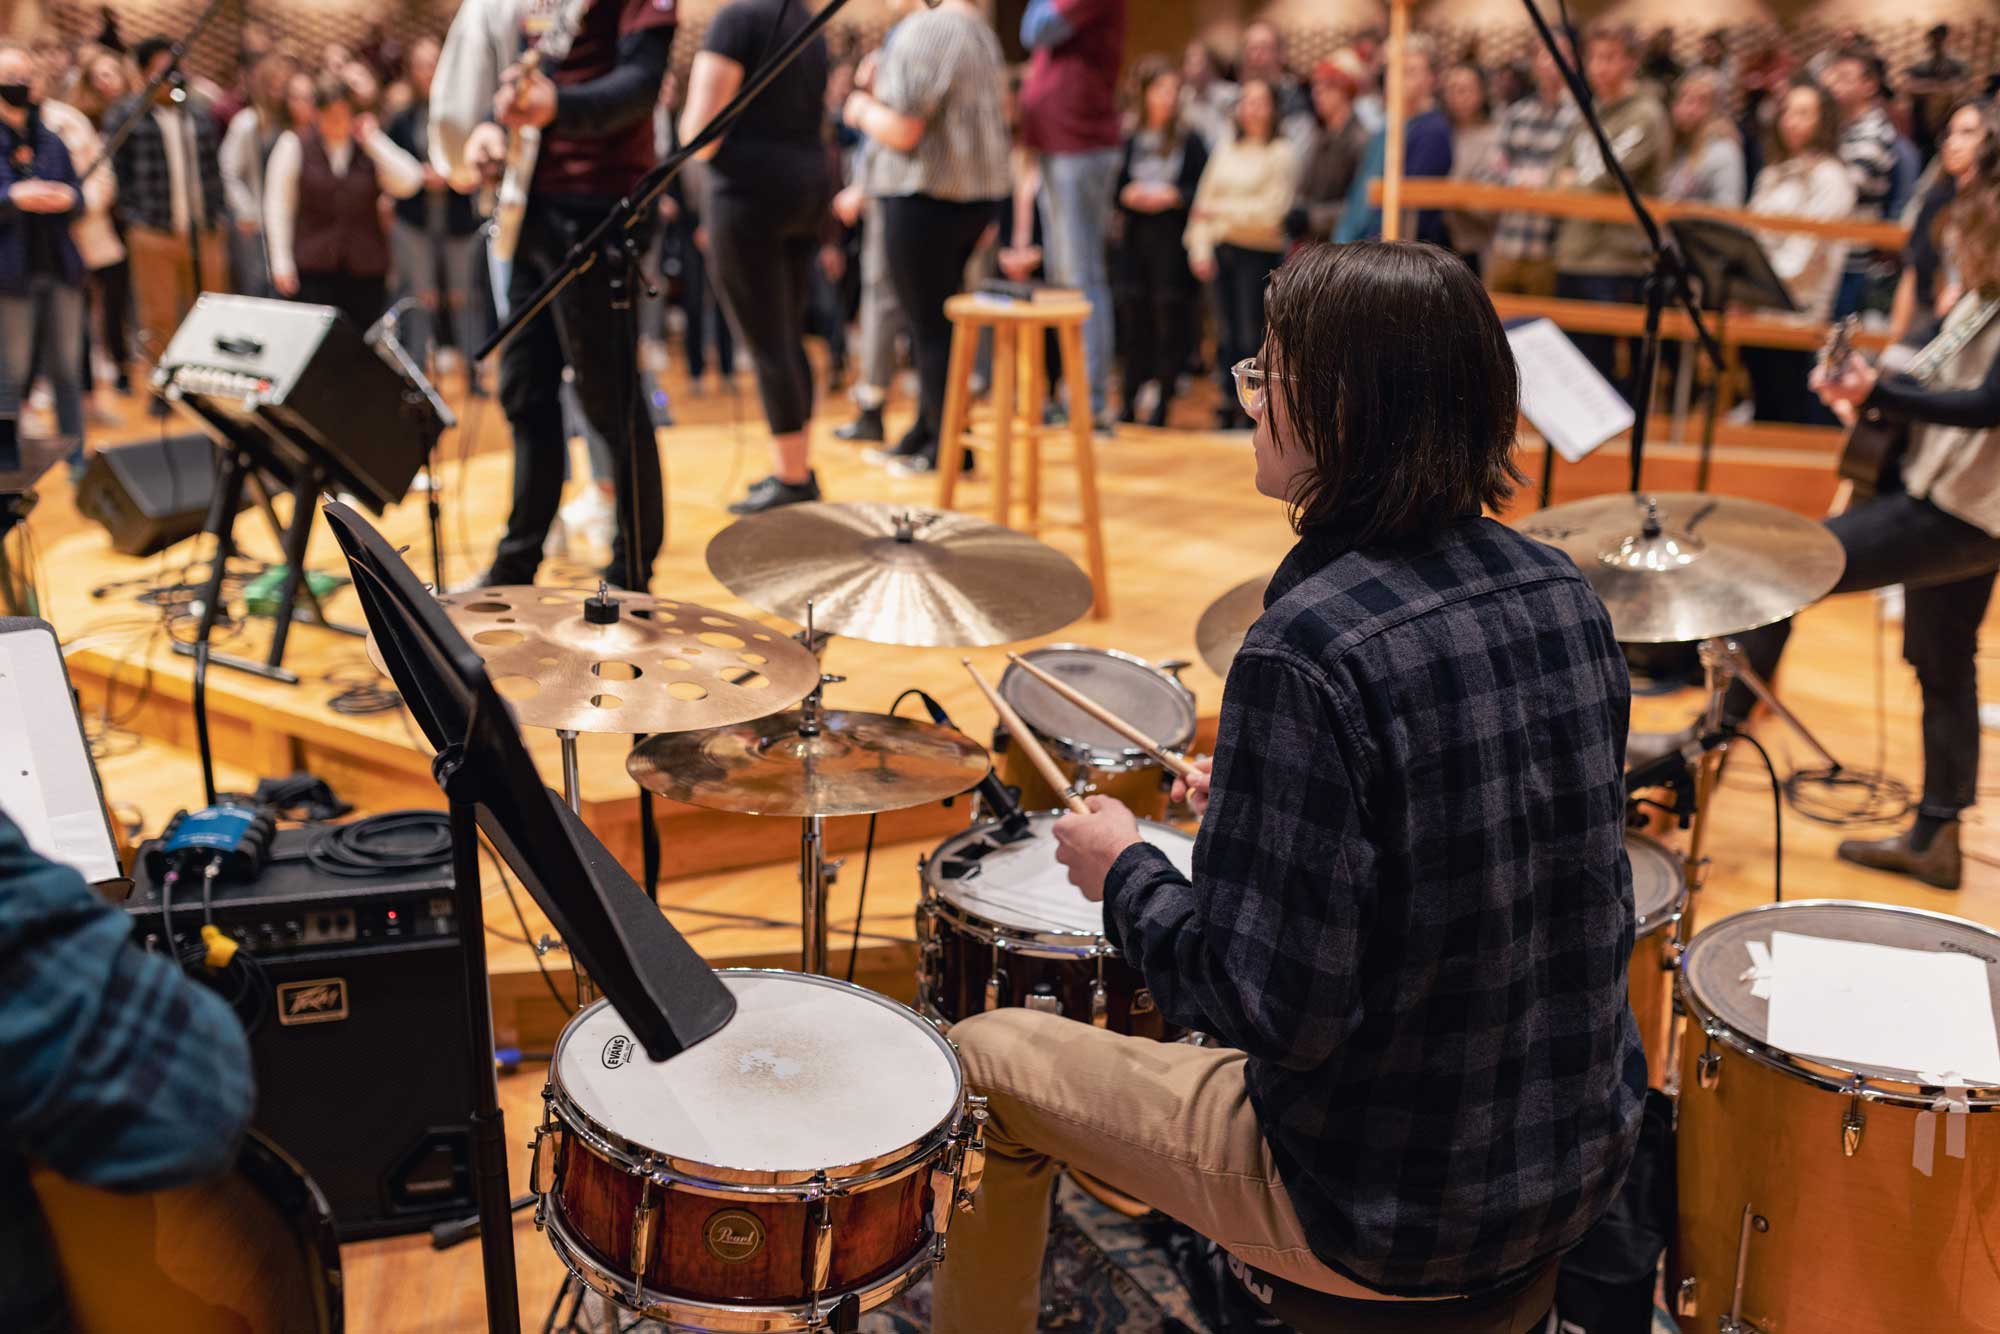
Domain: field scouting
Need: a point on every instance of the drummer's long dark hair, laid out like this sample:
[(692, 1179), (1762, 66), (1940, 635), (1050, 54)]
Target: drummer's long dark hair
[(1399, 384)]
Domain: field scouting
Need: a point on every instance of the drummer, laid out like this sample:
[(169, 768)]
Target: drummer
[(1411, 909)]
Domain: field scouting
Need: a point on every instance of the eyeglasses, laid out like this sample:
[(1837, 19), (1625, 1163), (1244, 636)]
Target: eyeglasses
[(1251, 389)]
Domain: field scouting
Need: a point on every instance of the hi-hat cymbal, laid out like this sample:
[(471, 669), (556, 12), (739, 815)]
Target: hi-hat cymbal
[(856, 764), (1677, 566), (1219, 633), (654, 666), (894, 574)]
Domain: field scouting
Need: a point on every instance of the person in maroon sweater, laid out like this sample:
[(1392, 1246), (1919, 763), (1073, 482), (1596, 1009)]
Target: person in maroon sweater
[(1069, 115)]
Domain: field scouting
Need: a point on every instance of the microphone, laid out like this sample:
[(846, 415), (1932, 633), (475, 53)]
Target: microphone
[(1675, 770), (999, 799)]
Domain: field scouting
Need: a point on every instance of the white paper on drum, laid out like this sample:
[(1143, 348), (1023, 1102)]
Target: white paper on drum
[(1857, 1003)]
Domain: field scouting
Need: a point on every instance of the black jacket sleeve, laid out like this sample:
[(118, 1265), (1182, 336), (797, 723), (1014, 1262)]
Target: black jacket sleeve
[(1977, 408), (612, 102)]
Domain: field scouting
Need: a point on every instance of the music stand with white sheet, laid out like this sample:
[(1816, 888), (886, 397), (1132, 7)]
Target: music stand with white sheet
[(1563, 397), (48, 784)]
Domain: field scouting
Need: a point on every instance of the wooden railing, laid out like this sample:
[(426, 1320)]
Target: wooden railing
[(1595, 206)]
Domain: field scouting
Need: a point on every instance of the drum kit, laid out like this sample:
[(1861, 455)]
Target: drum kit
[(694, 1193)]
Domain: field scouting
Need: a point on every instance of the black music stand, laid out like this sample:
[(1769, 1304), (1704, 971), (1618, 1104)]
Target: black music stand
[(651, 975), (1729, 267)]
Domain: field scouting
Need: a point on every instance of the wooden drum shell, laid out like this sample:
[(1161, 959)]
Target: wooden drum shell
[(876, 1230), (1863, 1244), (955, 965), (1649, 984), (1143, 787)]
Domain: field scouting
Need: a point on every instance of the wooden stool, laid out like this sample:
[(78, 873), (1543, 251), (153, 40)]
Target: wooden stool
[(1020, 384)]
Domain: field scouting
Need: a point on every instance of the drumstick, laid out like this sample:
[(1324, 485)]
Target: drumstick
[(1027, 741), (1179, 767)]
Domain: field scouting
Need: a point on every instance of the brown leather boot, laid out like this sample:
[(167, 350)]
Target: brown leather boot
[(1939, 864)]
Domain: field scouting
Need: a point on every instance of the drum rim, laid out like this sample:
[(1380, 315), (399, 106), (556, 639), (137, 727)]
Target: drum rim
[(1831, 1076), (677, 1170), (1667, 916), (739, 1318), (1126, 758), (987, 930)]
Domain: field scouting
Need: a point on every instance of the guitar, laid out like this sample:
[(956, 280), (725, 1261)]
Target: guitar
[(251, 1252), (1874, 445), (524, 145)]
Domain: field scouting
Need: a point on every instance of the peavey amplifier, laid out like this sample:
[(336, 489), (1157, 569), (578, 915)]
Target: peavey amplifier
[(360, 1068), (296, 386)]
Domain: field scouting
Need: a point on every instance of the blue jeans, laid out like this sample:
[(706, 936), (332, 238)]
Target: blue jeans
[(51, 312), (1076, 209)]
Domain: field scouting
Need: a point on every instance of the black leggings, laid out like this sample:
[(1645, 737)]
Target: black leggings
[(929, 242), (359, 296), (760, 253), (1240, 276), (1156, 292)]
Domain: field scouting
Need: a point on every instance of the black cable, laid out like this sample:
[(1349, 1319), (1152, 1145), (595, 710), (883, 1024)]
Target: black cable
[(1777, 817), (507, 883), (382, 845), (861, 903)]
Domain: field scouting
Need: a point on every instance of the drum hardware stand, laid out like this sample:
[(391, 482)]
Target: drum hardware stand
[(816, 873), (1734, 1323)]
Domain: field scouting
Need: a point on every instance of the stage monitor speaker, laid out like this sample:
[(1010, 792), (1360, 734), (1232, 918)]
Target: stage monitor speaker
[(151, 494)]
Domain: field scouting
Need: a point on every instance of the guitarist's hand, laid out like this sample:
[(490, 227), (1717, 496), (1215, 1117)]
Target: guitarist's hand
[(1849, 387), (526, 98), (486, 150)]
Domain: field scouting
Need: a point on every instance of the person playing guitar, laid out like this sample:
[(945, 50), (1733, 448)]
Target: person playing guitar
[(594, 111), (1932, 522)]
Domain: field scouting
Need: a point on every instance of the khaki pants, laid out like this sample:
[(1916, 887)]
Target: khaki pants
[(1165, 1123), (1525, 277), (162, 292)]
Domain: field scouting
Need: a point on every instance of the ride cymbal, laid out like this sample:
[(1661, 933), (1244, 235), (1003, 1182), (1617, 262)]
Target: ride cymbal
[(1219, 634), (627, 663), (896, 574), (855, 764), (1678, 566)]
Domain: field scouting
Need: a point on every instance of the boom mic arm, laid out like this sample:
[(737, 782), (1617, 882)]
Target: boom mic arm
[(1000, 799)]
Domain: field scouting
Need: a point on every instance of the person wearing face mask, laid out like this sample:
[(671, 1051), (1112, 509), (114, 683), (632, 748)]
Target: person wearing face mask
[(1424, 1081), (41, 273)]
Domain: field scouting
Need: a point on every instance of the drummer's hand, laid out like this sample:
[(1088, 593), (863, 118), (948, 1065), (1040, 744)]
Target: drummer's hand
[(1194, 789), (1086, 845)]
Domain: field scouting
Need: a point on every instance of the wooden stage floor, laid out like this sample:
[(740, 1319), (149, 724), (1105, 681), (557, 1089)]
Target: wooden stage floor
[(1182, 526)]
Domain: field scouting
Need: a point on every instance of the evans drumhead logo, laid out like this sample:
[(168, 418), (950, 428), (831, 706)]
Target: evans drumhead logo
[(617, 1051), (320, 1001), (733, 1236)]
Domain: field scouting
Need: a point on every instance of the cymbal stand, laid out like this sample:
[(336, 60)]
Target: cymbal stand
[(1723, 663), (572, 793), (815, 872)]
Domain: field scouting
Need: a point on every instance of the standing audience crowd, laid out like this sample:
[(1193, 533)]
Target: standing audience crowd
[(870, 186)]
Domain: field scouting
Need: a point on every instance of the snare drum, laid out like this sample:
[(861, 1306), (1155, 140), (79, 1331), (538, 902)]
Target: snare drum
[(1151, 698), (795, 1169), (1800, 1184), (1658, 891), (1000, 924)]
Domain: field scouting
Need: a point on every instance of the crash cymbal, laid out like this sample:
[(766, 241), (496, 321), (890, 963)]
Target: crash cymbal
[(895, 574), (1676, 566), (1219, 633), (628, 663), (857, 764)]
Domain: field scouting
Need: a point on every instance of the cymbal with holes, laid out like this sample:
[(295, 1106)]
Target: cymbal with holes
[(856, 764), (1219, 633), (900, 574), (1679, 566), (650, 665)]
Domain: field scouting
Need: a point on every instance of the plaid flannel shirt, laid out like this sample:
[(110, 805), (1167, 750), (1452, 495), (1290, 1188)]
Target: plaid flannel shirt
[(1411, 905), (118, 1070), (145, 184), (1531, 134)]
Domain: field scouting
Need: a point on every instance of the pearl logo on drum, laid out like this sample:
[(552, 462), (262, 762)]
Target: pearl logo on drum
[(733, 1235), (617, 1051)]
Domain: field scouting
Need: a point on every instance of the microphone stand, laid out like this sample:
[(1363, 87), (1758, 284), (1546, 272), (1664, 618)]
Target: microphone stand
[(1666, 277)]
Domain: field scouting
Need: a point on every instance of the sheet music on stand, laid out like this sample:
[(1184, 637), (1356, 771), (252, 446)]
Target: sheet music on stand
[(48, 784), (1563, 397)]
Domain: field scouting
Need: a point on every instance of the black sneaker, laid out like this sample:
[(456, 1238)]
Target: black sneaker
[(920, 465), (866, 428), (915, 442), (771, 494)]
